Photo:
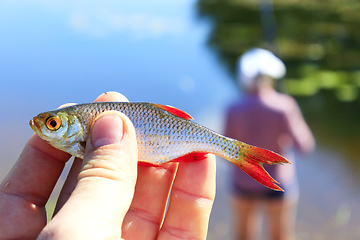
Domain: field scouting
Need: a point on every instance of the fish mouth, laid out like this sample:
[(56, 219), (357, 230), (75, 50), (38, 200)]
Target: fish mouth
[(34, 123)]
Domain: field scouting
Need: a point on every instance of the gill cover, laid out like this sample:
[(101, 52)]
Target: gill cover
[(60, 130)]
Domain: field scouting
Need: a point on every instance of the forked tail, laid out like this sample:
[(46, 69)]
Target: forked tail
[(251, 160)]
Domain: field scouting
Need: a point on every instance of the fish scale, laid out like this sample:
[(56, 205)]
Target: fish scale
[(152, 126), (163, 134)]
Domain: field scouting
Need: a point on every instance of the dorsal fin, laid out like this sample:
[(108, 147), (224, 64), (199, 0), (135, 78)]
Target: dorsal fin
[(174, 111)]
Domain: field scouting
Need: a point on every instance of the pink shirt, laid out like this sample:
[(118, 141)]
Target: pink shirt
[(273, 121)]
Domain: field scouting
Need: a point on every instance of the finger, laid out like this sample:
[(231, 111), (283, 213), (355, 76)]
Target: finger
[(97, 206), (72, 177), (147, 209), (191, 200), (111, 97), (67, 105), (26, 189), (153, 185)]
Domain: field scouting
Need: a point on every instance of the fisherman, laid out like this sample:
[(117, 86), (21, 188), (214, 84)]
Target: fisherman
[(271, 120)]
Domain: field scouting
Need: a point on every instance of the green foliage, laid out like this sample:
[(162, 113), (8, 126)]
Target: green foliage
[(50, 207), (319, 41), (323, 34)]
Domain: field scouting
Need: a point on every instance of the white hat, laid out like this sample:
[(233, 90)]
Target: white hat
[(257, 62)]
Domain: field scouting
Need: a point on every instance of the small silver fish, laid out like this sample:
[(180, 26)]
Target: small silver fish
[(163, 134)]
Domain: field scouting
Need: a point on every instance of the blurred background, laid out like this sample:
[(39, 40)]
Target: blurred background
[(183, 53)]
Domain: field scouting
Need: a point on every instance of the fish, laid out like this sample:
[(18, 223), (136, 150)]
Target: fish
[(164, 134)]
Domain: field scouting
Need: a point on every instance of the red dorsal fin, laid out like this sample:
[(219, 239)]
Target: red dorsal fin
[(174, 111)]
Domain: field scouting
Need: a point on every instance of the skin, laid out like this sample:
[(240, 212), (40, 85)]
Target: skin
[(106, 196)]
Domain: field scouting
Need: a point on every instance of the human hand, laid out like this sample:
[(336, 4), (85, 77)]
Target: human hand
[(100, 199)]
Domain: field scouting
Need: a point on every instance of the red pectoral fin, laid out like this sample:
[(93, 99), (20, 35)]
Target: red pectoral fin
[(146, 164), (195, 156), (174, 111)]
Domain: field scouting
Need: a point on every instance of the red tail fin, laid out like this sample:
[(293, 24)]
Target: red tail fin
[(251, 160)]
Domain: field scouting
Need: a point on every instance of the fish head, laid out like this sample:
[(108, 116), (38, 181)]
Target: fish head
[(61, 130)]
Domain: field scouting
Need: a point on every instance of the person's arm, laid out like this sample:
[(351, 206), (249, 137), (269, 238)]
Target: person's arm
[(229, 123), (303, 138)]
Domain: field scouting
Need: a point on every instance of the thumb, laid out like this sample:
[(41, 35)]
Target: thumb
[(102, 197)]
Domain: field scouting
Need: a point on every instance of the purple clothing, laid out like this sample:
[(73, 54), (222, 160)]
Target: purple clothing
[(273, 121)]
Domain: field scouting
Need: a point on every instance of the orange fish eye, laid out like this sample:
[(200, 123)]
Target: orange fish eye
[(53, 123)]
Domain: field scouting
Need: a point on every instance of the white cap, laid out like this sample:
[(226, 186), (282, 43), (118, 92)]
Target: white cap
[(257, 62)]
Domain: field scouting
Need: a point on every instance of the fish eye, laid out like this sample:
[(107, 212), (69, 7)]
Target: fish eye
[(53, 123)]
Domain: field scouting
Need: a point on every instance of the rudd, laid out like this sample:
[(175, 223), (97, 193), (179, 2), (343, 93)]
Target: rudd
[(163, 134)]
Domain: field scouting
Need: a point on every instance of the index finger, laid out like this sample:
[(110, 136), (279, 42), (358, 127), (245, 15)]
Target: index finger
[(26, 189)]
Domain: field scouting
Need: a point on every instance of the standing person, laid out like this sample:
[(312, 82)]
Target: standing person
[(271, 120)]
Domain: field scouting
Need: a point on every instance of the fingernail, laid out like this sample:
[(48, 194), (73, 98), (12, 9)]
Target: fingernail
[(107, 129)]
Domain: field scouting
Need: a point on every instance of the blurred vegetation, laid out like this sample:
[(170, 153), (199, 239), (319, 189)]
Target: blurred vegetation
[(50, 207), (319, 42)]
